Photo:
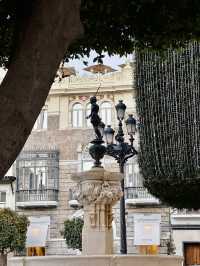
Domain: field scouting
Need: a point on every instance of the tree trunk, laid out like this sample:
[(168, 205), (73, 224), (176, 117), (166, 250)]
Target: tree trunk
[(3, 260), (52, 27)]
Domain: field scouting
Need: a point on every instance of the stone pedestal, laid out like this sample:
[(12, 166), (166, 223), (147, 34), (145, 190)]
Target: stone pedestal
[(98, 190), (106, 260)]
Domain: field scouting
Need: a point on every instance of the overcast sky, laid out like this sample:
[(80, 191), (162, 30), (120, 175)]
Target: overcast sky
[(112, 61)]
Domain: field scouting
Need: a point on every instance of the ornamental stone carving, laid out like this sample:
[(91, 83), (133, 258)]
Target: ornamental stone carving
[(103, 188), (97, 190), (110, 193)]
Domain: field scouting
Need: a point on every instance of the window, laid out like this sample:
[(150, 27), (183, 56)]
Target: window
[(41, 122), (37, 170), (2, 196), (106, 113), (41, 174), (77, 115), (34, 177), (88, 111), (133, 176)]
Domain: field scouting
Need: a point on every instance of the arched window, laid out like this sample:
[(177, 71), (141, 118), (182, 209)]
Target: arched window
[(106, 113), (41, 122), (88, 111), (77, 115)]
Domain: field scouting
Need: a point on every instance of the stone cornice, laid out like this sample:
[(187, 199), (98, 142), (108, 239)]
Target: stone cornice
[(117, 81), (85, 90)]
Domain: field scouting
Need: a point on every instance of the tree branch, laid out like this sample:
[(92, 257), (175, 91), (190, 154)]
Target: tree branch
[(53, 26)]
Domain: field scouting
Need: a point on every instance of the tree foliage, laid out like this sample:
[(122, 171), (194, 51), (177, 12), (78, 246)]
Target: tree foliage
[(73, 233), (168, 93), (35, 34), (13, 229), (119, 26), (12, 15), (113, 26)]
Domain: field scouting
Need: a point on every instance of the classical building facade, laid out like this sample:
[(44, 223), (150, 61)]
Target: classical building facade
[(58, 147)]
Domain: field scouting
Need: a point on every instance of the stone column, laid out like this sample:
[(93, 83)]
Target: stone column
[(98, 190)]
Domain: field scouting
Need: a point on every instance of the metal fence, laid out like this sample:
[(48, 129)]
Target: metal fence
[(137, 193), (37, 195)]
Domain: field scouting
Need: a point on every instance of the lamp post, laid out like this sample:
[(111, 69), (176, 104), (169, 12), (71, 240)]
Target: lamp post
[(120, 150)]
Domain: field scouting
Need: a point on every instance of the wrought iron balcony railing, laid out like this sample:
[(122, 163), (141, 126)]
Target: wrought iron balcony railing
[(36, 197), (139, 195), (185, 212)]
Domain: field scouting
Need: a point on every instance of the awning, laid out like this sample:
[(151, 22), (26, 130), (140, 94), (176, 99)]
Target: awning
[(37, 232)]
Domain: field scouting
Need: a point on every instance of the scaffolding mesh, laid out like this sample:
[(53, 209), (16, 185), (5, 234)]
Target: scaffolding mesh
[(168, 105)]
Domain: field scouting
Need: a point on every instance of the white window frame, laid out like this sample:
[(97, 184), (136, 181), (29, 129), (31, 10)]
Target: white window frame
[(42, 121), (3, 192), (77, 115), (106, 112), (133, 177), (87, 112)]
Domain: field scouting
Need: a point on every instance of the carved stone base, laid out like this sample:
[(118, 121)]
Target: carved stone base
[(97, 235), (98, 190), (114, 260), (97, 241)]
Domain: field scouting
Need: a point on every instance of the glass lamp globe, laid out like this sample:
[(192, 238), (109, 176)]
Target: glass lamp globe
[(109, 134), (120, 108), (131, 125)]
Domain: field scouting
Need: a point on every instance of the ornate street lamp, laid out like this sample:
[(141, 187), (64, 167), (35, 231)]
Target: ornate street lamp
[(120, 150)]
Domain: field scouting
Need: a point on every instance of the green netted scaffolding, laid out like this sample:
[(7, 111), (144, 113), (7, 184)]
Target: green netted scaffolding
[(168, 102)]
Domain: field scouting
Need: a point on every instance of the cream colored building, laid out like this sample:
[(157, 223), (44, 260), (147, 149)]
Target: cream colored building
[(7, 184), (58, 147), (7, 192)]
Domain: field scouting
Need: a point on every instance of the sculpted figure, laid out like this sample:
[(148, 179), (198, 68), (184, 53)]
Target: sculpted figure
[(94, 117)]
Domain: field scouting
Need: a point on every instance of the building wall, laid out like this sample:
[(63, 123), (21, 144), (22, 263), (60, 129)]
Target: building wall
[(9, 189), (165, 229), (72, 142), (10, 196), (185, 236), (185, 227)]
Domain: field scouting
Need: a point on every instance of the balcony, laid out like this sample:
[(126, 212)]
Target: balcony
[(37, 198), (139, 196)]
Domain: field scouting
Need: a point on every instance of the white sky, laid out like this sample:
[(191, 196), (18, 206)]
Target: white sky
[(112, 61)]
